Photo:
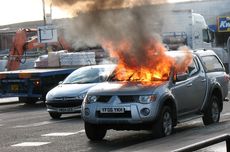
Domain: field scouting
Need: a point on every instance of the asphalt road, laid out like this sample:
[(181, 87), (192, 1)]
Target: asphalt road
[(29, 128)]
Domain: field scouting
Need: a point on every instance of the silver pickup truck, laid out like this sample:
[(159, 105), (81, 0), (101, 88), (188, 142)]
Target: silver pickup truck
[(199, 92)]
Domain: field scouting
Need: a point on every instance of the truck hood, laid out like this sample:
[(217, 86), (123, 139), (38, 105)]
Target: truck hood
[(69, 90), (123, 88)]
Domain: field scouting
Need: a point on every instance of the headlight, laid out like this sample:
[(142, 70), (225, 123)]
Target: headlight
[(147, 98), (91, 99), (49, 96), (81, 96)]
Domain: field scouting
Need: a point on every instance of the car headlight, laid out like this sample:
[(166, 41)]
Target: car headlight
[(49, 96), (81, 96), (147, 98), (91, 99)]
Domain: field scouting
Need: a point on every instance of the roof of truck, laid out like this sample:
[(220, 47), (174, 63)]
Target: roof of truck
[(204, 52)]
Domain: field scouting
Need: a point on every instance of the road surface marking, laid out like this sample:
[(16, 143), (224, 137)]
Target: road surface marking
[(33, 125), (80, 131), (24, 144), (63, 133), (225, 114)]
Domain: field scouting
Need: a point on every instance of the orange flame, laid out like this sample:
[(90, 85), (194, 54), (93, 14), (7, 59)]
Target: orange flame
[(147, 65)]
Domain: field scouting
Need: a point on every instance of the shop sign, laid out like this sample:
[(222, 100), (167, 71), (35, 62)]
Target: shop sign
[(223, 23)]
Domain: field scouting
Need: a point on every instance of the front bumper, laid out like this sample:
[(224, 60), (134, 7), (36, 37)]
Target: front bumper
[(133, 113), (64, 106), (64, 110)]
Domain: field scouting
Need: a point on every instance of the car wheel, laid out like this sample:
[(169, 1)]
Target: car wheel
[(212, 114), (55, 115), (164, 124), (94, 132), (28, 100)]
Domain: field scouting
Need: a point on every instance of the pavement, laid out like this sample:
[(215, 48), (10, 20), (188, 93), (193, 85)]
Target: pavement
[(220, 147), (8, 100)]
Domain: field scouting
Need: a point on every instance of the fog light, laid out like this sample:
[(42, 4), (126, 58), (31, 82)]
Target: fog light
[(87, 111), (145, 111)]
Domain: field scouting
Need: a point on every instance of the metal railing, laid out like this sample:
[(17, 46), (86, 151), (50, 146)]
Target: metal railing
[(206, 143)]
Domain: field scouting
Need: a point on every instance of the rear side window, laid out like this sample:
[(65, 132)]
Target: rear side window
[(212, 63), (193, 68)]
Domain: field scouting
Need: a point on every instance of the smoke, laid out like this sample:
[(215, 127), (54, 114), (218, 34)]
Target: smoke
[(115, 20), (136, 24), (75, 6), (128, 28)]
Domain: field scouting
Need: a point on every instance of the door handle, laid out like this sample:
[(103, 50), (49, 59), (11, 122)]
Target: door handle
[(203, 80), (189, 85)]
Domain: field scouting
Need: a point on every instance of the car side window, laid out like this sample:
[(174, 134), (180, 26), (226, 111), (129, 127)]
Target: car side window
[(193, 68), (212, 63)]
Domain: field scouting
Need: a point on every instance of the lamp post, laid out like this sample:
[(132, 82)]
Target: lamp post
[(228, 48), (44, 11)]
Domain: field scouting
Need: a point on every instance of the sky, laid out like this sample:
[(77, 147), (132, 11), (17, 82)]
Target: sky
[(14, 11)]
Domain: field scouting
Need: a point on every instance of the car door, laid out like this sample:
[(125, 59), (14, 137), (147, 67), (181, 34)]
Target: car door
[(181, 92), (198, 86), (190, 93)]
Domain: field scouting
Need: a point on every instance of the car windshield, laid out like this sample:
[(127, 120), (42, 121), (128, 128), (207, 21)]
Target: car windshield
[(89, 75)]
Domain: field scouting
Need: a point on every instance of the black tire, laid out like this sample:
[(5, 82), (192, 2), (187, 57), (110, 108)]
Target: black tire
[(164, 124), (55, 115), (212, 113), (28, 100), (94, 132)]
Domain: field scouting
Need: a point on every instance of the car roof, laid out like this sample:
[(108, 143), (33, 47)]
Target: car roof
[(204, 52), (178, 53)]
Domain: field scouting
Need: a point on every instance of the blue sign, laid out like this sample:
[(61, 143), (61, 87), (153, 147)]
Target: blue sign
[(223, 23)]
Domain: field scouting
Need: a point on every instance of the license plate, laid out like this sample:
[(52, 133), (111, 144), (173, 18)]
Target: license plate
[(65, 109), (14, 87), (112, 110)]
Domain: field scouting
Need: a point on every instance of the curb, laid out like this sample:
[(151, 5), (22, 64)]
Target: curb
[(5, 101)]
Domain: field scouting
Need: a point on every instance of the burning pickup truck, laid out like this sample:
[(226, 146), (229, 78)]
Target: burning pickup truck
[(128, 102)]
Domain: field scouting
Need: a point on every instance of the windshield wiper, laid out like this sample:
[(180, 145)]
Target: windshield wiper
[(130, 76)]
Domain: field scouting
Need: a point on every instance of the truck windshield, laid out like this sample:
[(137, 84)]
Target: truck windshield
[(136, 78)]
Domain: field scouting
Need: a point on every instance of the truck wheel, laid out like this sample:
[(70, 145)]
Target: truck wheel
[(164, 124), (28, 100), (212, 114), (94, 132), (55, 115)]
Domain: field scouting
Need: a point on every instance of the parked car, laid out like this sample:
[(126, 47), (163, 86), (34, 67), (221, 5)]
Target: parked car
[(123, 105), (67, 97)]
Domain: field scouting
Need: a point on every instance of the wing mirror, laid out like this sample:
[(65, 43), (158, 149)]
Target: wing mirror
[(181, 76)]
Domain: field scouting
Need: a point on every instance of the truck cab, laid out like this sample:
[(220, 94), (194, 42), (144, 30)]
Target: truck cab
[(183, 27)]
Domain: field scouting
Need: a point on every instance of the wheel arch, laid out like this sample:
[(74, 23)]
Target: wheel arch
[(214, 90), (169, 100)]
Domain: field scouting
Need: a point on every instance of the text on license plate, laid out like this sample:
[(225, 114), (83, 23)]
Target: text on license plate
[(14, 87), (65, 110), (112, 110)]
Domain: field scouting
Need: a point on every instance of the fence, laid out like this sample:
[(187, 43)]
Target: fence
[(206, 143)]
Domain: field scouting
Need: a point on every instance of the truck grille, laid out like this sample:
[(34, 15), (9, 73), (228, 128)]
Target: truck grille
[(124, 99), (127, 99), (126, 114), (104, 99)]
